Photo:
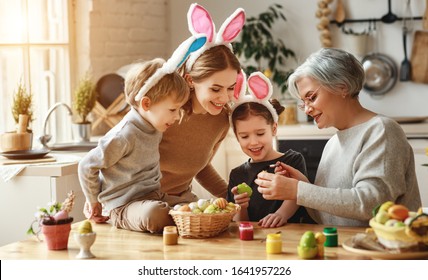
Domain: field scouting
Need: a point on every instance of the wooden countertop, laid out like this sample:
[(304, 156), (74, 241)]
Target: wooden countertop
[(118, 244)]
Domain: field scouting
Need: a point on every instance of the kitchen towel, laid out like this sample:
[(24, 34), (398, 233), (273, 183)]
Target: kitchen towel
[(7, 172)]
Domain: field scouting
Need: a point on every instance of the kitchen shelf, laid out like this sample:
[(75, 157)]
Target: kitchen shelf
[(382, 19), (369, 20)]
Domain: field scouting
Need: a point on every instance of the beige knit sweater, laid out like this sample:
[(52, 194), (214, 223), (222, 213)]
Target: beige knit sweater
[(186, 151)]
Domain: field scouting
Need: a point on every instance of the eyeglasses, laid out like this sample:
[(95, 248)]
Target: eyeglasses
[(308, 100)]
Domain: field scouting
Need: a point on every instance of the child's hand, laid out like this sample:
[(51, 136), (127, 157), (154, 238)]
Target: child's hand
[(273, 220), (93, 211), (242, 199)]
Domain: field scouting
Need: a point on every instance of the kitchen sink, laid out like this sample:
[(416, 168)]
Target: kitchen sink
[(73, 146)]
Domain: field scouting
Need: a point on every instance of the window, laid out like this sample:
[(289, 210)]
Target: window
[(34, 49)]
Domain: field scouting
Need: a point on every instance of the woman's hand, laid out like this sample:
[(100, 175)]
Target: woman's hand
[(242, 199), (276, 187), (288, 171), (93, 211), (273, 220)]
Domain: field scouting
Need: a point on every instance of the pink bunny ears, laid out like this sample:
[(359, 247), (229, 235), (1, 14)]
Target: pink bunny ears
[(177, 59), (260, 91), (200, 22)]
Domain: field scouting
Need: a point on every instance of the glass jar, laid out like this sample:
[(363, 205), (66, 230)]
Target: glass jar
[(289, 116), (273, 243), (246, 231), (331, 237), (170, 235)]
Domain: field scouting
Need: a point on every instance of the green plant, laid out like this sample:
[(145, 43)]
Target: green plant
[(22, 103), (55, 213), (257, 43), (84, 98)]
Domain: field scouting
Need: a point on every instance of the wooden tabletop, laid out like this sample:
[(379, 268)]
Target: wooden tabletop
[(119, 244)]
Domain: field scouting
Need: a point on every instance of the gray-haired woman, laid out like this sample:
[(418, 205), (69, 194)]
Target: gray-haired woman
[(367, 162)]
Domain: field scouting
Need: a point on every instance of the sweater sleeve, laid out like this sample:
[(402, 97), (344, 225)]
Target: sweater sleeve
[(107, 153), (378, 167), (209, 178)]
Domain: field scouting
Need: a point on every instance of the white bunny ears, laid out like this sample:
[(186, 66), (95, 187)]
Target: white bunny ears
[(200, 22), (260, 91), (177, 59)]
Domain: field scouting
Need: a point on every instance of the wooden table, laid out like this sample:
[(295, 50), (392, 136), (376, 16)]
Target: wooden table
[(119, 244)]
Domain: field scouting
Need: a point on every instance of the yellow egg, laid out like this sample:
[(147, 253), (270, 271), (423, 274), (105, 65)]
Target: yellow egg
[(85, 227)]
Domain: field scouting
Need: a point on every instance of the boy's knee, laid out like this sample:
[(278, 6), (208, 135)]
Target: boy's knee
[(157, 217)]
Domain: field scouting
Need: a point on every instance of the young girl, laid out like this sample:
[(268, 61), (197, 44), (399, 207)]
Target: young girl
[(187, 149), (122, 173), (255, 121)]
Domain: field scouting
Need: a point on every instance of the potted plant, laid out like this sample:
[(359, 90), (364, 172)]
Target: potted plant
[(23, 104), (262, 51), (85, 97), (22, 111), (55, 223)]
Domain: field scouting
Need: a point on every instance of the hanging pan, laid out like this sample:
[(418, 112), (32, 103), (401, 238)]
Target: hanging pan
[(380, 71)]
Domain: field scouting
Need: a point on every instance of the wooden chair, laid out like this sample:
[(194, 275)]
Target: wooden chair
[(110, 106)]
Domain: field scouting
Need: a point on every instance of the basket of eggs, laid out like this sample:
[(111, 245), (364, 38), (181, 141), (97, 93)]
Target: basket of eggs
[(203, 218), (399, 229)]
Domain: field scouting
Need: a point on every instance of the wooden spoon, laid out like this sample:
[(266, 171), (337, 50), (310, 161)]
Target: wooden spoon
[(340, 12)]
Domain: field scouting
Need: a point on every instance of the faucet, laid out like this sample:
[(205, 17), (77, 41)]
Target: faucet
[(45, 138)]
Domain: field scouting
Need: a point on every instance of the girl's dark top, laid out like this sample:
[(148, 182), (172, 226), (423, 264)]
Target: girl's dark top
[(260, 207)]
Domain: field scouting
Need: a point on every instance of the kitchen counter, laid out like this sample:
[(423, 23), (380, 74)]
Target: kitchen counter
[(33, 187), (119, 244)]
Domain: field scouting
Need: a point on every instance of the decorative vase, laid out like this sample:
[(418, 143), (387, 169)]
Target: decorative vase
[(85, 242), (19, 140), (14, 141), (56, 236)]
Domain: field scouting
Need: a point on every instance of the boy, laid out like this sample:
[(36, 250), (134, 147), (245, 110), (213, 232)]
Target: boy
[(122, 172)]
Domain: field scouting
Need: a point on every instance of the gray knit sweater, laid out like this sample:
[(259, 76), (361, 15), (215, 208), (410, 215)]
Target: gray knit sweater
[(124, 165), (360, 168)]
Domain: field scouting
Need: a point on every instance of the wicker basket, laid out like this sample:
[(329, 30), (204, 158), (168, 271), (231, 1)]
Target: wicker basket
[(203, 225)]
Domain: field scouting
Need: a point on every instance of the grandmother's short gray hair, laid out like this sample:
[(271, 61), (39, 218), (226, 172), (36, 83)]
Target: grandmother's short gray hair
[(333, 68)]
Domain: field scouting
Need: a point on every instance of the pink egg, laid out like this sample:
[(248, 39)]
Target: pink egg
[(61, 215)]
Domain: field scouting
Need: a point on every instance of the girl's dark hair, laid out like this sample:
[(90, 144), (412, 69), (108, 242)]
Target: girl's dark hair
[(243, 111)]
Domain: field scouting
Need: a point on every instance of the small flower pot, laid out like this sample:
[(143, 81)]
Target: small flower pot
[(56, 236), (82, 132)]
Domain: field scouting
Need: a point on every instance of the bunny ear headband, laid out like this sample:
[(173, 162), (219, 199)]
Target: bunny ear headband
[(260, 91), (177, 59), (200, 22)]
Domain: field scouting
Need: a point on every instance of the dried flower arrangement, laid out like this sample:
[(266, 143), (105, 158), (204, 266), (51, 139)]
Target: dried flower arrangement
[(84, 98), (22, 103)]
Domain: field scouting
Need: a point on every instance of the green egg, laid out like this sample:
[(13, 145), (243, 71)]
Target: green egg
[(244, 188)]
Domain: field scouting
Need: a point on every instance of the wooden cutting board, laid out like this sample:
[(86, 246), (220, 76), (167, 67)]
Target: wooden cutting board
[(419, 58), (5, 161)]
